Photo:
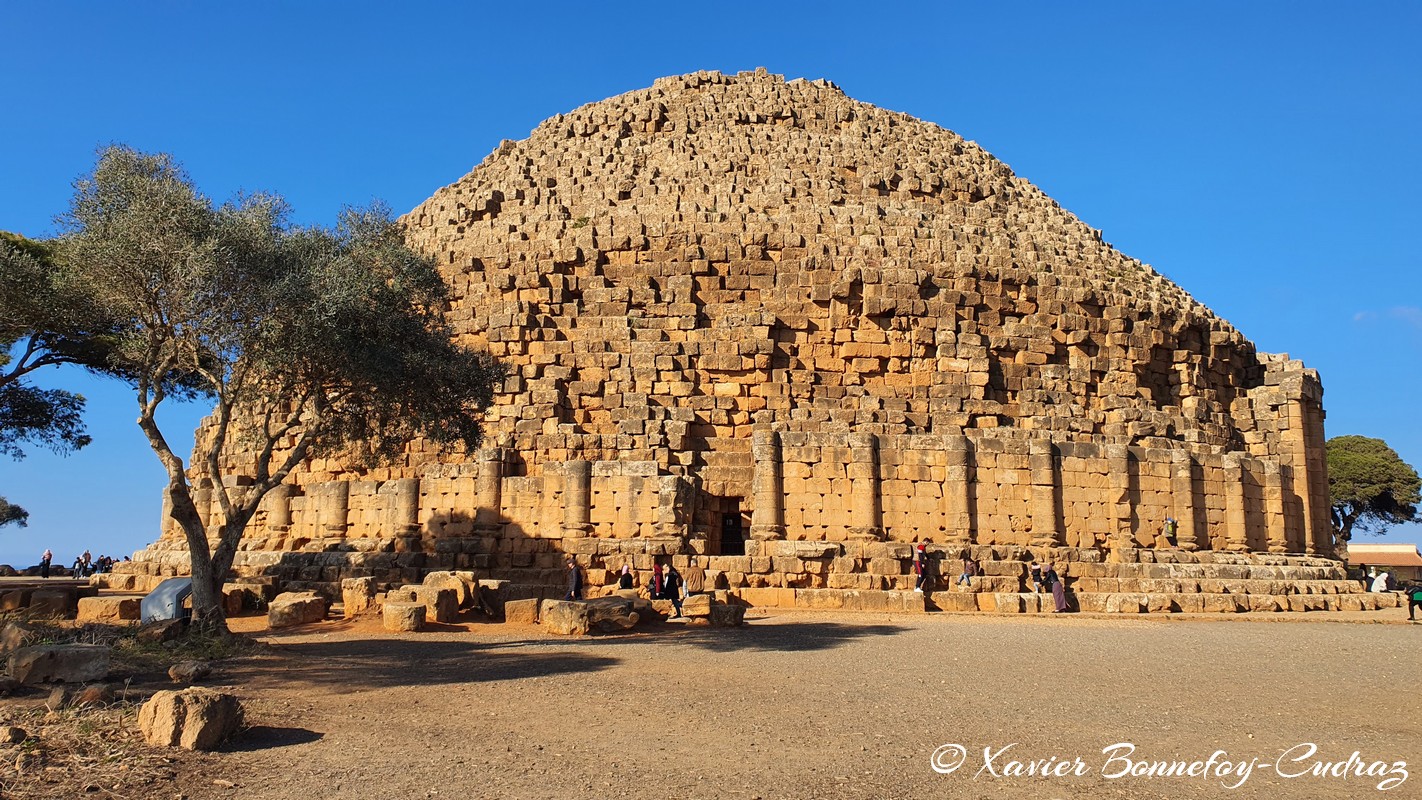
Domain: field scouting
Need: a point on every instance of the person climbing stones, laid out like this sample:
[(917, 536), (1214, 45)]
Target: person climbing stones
[(922, 568)]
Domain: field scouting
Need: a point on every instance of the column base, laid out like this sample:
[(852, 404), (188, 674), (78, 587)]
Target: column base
[(873, 534), (765, 532), (1048, 540), (578, 531)]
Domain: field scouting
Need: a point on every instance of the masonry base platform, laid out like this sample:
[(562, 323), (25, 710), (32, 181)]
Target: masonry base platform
[(856, 576)]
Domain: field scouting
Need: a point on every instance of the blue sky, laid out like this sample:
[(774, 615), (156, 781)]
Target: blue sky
[(1263, 155)]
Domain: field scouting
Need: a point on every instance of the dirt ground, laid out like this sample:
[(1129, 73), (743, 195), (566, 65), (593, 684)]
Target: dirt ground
[(820, 705)]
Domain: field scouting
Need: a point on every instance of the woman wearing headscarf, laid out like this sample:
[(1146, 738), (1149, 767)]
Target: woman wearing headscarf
[(624, 581), (1054, 585)]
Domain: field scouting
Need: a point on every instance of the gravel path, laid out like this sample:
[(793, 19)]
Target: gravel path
[(824, 705)]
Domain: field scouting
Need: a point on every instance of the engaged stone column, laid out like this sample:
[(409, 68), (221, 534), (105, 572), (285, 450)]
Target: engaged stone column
[(1236, 522), (1042, 464), (202, 501), (577, 498), (1274, 517), (278, 503), (958, 522), (406, 517), (767, 487), (1118, 477), (488, 487), (1304, 440), (1182, 491), (865, 519), (335, 508)]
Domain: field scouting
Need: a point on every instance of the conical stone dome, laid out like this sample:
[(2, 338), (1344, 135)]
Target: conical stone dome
[(762, 251)]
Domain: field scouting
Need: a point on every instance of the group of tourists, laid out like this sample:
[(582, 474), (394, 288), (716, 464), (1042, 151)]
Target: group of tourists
[(667, 582), (84, 564), (1045, 579)]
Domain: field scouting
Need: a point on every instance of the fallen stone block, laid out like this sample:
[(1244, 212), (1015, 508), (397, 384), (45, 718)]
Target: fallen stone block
[(15, 599), (165, 630), (16, 635), (463, 596), (189, 671), (296, 608), (65, 663), (612, 613), (564, 617), (698, 605), (441, 603), (404, 616), (357, 596), (112, 610), (54, 603), (194, 718), (521, 612), (727, 616)]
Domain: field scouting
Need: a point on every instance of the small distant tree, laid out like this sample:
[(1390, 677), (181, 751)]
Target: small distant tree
[(1370, 487), (308, 341), (45, 320)]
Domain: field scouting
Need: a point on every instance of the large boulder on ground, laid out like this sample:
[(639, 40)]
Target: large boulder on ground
[(564, 617), (402, 615), (612, 613), (67, 663), (194, 718), (114, 610), (357, 596), (296, 608), (521, 612)]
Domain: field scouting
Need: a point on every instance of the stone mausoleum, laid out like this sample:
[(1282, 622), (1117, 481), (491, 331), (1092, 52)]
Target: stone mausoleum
[(757, 321)]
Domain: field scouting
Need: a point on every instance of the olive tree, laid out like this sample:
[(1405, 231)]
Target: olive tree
[(307, 341), (1370, 487), (46, 320)]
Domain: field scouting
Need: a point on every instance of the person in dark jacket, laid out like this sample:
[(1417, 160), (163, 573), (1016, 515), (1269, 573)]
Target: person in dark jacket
[(624, 581), (922, 568), (575, 581), (671, 589)]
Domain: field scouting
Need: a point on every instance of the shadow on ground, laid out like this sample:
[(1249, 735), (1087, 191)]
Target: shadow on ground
[(796, 637), (266, 737), (356, 664)]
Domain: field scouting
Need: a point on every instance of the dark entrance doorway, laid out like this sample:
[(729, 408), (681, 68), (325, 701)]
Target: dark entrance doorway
[(733, 540)]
